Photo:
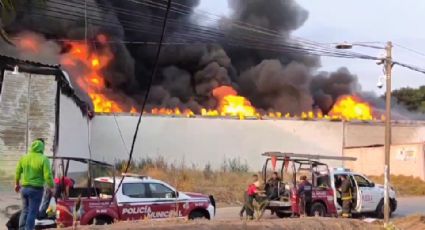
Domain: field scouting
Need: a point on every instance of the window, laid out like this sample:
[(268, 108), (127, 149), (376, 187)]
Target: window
[(134, 190), (160, 191), (361, 181)]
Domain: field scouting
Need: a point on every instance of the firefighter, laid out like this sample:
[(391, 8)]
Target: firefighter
[(346, 190), (304, 193), (249, 197)]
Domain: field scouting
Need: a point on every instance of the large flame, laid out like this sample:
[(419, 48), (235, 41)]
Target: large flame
[(88, 62), (351, 107), (232, 104)]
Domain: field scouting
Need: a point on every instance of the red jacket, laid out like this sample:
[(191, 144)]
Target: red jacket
[(252, 190)]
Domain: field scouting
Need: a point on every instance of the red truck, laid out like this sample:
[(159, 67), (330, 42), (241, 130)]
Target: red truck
[(138, 197), (290, 166)]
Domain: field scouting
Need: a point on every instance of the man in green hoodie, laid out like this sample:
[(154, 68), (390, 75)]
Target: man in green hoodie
[(32, 173)]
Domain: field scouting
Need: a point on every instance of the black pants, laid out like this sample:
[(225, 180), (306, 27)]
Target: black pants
[(304, 206)]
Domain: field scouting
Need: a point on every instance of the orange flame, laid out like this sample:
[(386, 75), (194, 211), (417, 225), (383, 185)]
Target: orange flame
[(232, 104), (350, 107), (89, 63)]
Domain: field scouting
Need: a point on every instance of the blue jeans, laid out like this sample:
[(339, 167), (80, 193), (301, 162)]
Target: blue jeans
[(44, 204), (31, 199)]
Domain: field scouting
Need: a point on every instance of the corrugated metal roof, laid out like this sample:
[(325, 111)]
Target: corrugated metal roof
[(7, 62)]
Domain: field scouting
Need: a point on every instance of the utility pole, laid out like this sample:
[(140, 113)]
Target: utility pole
[(388, 62)]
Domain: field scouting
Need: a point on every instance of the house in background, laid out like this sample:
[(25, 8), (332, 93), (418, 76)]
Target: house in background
[(37, 101)]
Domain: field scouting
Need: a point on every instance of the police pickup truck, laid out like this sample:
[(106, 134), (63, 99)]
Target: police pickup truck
[(138, 197), (368, 196)]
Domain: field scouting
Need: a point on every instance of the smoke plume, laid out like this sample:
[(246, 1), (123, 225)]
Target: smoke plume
[(272, 81)]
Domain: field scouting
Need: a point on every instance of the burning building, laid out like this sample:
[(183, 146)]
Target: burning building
[(227, 90), (37, 101)]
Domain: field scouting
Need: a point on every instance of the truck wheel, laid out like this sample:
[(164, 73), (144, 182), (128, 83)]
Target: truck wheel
[(318, 209), (197, 215), (380, 209), (101, 220), (282, 214)]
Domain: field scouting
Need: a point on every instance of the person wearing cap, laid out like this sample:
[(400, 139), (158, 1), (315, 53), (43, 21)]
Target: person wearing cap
[(33, 172), (304, 193)]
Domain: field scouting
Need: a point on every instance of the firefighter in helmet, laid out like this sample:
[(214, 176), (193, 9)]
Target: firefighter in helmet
[(305, 195), (346, 190)]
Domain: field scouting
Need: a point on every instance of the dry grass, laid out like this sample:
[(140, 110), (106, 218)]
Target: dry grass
[(404, 185), (226, 184)]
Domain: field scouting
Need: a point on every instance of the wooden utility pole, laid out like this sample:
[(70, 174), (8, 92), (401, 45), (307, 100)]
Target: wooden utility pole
[(388, 66)]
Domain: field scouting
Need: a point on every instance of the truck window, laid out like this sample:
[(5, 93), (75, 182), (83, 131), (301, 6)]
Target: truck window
[(361, 181), (160, 191), (134, 190)]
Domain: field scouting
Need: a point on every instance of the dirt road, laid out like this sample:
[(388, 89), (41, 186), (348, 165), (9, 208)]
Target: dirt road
[(406, 206)]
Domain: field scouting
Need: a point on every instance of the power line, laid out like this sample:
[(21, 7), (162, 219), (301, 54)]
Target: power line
[(213, 37), (121, 10), (411, 67), (154, 71), (410, 49)]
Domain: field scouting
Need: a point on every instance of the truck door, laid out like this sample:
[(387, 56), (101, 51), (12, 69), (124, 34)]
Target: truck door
[(164, 202), (368, 203), (357, 201), (133, 201)]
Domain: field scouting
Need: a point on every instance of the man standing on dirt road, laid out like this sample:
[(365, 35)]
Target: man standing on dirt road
[(346, 196), (305, 194), (32, 173)]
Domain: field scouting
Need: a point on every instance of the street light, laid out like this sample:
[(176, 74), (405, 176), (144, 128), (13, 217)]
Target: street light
[(388, 62)]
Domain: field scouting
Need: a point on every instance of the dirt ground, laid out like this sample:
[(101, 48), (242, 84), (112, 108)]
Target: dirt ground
[(410, 222), (287, 224)]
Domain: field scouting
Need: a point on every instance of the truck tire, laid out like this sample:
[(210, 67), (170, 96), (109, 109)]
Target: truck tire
[(379, 212), (282, 214), (101, 220), (197, 214), (318, 208)]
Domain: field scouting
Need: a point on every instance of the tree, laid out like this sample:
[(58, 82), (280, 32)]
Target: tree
[(412, 99)]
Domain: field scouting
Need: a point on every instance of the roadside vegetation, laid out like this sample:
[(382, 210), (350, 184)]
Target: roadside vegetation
[(226, 184), (404, 185)]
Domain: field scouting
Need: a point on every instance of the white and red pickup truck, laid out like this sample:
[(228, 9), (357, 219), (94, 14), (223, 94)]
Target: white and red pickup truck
[(137, 198)]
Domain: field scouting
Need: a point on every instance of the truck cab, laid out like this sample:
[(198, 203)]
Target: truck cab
[(102, 200), (368, 196)]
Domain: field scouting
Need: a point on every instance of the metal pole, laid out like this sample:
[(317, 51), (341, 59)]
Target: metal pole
[(388, 67)]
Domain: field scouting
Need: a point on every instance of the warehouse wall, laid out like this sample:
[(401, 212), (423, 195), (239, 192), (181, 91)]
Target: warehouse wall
[(405, 159), (73, 130), (365, 134), (27, 112), (201, 140)]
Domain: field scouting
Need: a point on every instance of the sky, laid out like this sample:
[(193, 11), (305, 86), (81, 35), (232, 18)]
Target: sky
[(333, 21)]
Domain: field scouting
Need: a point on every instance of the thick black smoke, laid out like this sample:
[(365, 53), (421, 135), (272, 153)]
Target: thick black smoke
[(272, 81)]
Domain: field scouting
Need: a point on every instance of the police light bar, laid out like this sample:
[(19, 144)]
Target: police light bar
[(134, 175), (340, 169)]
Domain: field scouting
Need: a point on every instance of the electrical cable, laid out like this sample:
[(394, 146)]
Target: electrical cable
[(120, 10), (154, 71), (410, 49)]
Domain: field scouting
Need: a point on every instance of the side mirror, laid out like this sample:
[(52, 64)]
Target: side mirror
[(372, 184)]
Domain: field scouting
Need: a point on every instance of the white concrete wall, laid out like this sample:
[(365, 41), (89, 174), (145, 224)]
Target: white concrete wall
[(202, 140), (27, 112), (406, 159), (73, 130)]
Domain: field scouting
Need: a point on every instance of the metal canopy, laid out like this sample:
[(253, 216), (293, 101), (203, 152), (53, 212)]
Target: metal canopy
[(82, 160), (307, 156)]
